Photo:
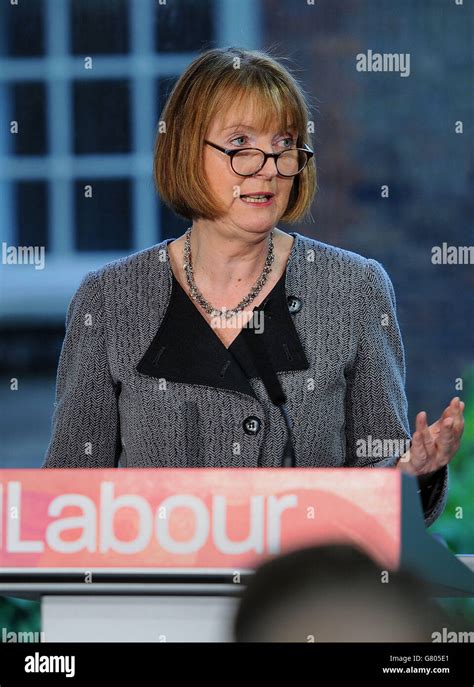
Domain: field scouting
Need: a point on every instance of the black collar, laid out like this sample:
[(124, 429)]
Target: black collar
[(185, 349)]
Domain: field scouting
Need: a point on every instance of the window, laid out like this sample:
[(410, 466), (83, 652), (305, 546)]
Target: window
[(85, 81)]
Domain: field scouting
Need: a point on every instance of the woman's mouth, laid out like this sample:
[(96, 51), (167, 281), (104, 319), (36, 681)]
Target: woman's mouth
[(260, 199)]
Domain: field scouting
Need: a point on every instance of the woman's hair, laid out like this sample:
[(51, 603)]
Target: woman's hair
[(214, 82)]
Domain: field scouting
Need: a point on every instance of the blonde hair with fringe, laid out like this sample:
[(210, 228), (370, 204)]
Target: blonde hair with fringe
[(217, 80)]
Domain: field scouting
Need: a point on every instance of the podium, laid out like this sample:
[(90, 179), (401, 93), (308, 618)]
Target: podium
[(164, 554)]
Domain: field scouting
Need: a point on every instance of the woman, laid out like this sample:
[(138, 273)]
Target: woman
[(154, 369)]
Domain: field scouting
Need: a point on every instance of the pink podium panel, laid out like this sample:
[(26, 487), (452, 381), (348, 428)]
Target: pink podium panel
[(192, 519)]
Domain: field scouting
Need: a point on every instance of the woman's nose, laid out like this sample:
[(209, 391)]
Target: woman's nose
[(269, 168)]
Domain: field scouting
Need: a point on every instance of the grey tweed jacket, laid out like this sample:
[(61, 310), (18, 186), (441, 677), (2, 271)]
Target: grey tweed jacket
[(143, 381)]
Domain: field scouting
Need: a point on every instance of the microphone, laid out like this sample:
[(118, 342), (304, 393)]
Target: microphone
[(272, 385)]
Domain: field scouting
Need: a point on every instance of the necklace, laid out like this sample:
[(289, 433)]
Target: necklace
[(197, 295)]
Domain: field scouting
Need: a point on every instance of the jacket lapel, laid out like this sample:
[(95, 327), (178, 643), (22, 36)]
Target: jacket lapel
[(186, 350)]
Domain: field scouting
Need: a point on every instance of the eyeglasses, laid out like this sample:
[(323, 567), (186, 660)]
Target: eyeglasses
[(248, 161)]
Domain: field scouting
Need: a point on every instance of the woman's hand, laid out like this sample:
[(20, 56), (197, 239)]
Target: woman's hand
[(434, 446)]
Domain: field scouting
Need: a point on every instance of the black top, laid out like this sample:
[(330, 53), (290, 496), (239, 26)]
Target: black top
[(186, 349)]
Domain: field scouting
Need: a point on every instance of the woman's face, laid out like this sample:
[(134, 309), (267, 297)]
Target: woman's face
[(238, 130)]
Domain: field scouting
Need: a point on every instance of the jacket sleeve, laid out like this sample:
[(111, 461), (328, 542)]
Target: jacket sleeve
[(377, 428), (85, 423)]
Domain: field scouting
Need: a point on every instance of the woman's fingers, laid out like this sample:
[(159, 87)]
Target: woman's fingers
[(425, 455), (419, 457), (427, 438), (456, 409), (458, 416), (433, 447), (446, 441)]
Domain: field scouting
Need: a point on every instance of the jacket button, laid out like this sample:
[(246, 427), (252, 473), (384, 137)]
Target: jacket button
[(294, 304), (252, 425)]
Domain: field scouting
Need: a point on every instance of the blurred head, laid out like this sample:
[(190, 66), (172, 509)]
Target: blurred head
[(235, 99), (334, 594)]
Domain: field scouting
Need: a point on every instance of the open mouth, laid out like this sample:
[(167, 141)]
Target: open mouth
[(257, 198)]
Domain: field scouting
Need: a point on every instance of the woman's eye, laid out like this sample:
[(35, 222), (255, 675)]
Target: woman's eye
[(290, 141), (237, 138)]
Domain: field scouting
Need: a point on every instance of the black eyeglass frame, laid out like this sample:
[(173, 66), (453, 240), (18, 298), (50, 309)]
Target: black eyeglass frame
[(231, 152)]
